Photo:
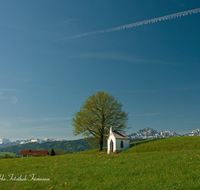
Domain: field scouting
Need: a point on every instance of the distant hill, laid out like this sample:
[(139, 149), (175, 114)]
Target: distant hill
[(68, 146)]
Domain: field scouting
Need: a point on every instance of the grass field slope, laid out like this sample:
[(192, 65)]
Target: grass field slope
[(170, 163)]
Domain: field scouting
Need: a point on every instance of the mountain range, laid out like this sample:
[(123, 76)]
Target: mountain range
[(142, 134), (149, 133), (6, 142)]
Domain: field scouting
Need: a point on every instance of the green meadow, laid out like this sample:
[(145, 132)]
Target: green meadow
[(170, 163)]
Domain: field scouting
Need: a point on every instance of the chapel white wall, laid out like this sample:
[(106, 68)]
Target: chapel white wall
[(125, 142), (117, 143), (114, 142)]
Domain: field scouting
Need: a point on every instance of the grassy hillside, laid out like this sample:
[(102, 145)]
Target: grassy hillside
[(166, 144), (171, 163)]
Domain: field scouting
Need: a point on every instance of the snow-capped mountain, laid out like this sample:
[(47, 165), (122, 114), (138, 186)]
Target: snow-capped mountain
[(43, 140), (149, 133), (17, 142), (4, 141), (195, 132)]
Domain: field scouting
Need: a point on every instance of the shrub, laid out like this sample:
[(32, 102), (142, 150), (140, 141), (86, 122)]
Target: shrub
[(60, 151), (52, 152), (36, 155), (7, 156)]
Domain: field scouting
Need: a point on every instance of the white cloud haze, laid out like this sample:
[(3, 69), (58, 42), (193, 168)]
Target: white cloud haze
[(1, 97), (145, 114), (13, 99)]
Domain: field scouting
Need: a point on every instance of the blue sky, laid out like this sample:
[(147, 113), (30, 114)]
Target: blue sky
[(48, 66)]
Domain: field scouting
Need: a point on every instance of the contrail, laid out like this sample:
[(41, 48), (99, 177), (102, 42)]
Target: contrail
[(151, 21)]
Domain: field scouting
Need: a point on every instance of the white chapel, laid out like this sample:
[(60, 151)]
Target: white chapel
[(117, 141)]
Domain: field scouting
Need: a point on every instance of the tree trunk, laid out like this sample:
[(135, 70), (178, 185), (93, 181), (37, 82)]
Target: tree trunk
[(100, 144), (102, 132)]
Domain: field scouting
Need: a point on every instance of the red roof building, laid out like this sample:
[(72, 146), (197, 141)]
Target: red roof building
[(28, 153)]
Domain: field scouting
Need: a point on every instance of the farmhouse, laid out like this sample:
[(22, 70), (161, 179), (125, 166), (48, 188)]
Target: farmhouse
[(29, 153), (117, 141)]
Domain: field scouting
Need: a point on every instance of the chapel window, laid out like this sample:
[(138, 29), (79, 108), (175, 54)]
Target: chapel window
[(122, 144)]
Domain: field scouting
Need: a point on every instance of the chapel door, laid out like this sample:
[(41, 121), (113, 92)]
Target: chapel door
[(111, 146)]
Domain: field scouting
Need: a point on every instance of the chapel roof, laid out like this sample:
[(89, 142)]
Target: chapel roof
[(120, 135)]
